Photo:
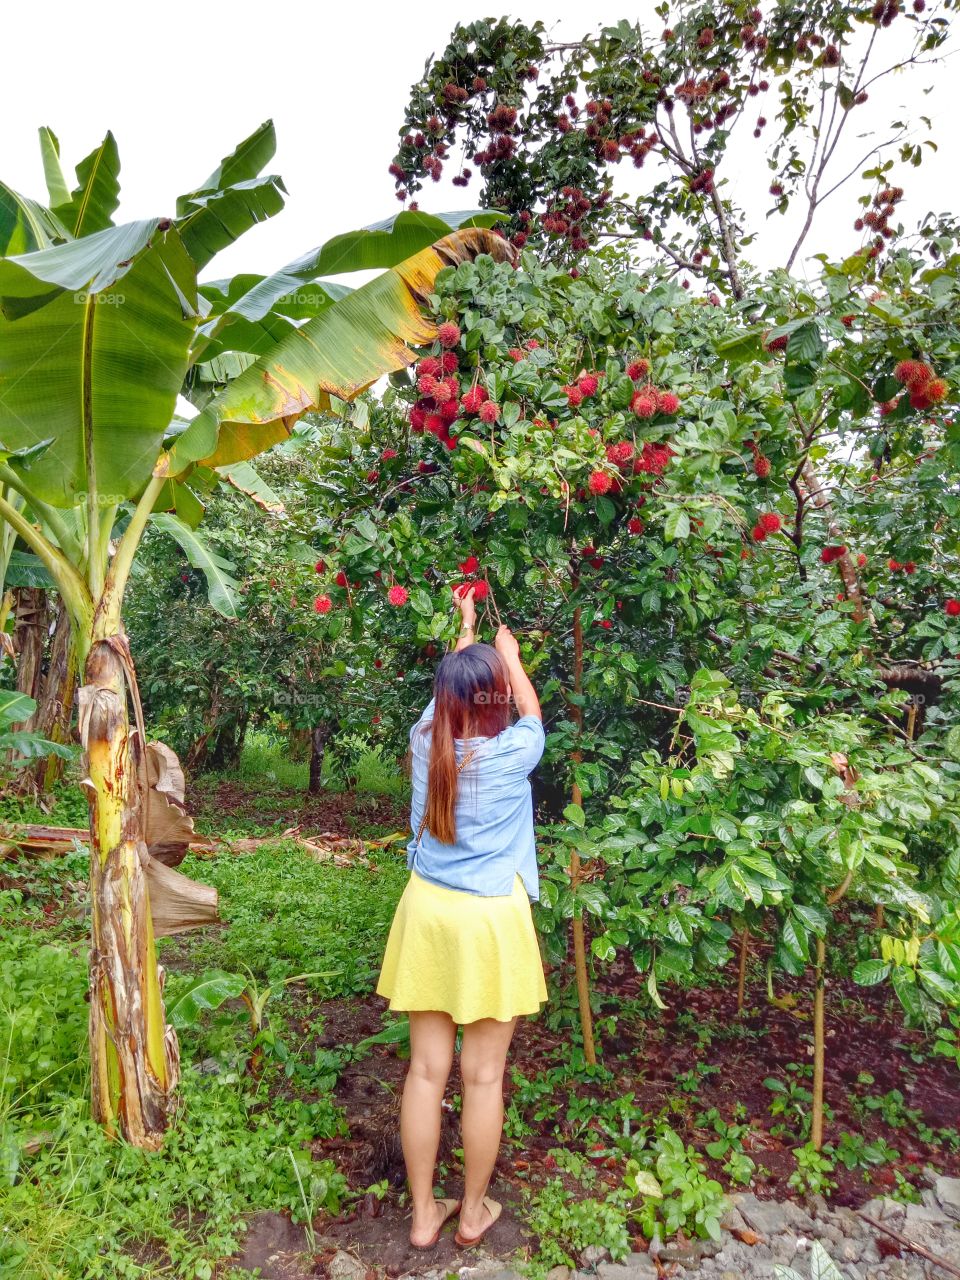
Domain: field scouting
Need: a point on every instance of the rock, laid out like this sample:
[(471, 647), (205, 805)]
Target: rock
[(592, 1255), (922, 1213), (767, 1217), (948, 1193), (344, 1266), (732, 1220), (209, 1067), (637, 1266), (555, 1273), (850, 1251)]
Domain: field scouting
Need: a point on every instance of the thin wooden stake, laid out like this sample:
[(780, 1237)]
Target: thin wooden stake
[(742, 973), (819, 1048), (579, 945)]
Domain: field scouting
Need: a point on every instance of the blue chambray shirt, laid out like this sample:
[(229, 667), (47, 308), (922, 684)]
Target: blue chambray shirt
[(494, 812)]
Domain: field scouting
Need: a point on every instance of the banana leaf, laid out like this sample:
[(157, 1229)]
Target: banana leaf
[(221, 585), (95, 336), (337, 354)]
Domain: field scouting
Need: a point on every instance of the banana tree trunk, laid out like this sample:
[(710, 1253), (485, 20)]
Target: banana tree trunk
[(28, 640), (134, 1056), (55, 704)]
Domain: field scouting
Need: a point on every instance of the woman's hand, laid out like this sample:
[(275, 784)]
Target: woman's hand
[(467, 607), (506, 645)]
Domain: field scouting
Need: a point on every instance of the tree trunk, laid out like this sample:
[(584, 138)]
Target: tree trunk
[(318, 745), (29, 635), (579, 943), (134, 1056), (55, 711)]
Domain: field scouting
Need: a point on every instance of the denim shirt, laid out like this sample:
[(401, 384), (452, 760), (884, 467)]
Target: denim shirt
[(494, 812)]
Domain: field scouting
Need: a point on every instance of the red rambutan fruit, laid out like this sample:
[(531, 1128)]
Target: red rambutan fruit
[(912, 373), (388, 455), (758, 533), (637, 370), (936, 390), (668, 402), (574, 396), (470, 565), (323, 604), (448, 334), (600, 482), (761, 466), (771, 521), (449, 362), (489, 411), (952, 608), (341, 579), (635, 525), (398, 596), (643, 404), (588, 384)]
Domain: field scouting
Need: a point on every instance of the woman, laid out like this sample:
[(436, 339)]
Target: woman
[(462, 949)]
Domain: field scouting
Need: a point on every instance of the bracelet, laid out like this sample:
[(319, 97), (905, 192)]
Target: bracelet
[(466, 630)]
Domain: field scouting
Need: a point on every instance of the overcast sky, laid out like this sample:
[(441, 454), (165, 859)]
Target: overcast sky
[(181, 86)]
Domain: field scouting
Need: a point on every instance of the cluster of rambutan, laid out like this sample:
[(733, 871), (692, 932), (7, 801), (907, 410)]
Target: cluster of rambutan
[(564, 217), (586, 385), (768, 522), (884, 12), (439, 403), (830, 553), (922, 387), (908, 568), (702, 181), (649, 400)]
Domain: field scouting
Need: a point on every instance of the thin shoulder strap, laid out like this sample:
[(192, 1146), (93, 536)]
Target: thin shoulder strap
[(460, 768)]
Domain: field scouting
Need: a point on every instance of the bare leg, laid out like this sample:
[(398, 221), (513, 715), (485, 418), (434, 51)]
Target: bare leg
[(432, 1037), (483, 1058)]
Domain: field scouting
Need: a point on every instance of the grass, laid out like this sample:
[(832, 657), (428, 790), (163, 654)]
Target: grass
[(77, 1207), (288, 914)]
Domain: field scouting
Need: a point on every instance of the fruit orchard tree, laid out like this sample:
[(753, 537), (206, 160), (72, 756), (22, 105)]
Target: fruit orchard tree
[(625, 136), (745, 735)]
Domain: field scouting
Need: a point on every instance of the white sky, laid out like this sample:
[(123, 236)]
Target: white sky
[(181, 86)]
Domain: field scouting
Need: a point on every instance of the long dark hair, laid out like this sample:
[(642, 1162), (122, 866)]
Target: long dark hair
[(472, 701)]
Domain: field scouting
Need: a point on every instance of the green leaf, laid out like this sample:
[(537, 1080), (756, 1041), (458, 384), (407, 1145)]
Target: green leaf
[(821, 1265), (677, 524), (25, 225), (57, 189), (869, 972), (337, 354), (208, 991), (574, 815), (94, 200), (74, 319), (15, 707), (221, 585)]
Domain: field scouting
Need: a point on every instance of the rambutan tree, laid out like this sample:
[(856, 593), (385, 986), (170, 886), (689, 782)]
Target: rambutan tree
[(624, 468), (624, 137)]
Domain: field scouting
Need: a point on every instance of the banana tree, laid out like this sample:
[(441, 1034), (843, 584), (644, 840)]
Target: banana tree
[(100, 326)]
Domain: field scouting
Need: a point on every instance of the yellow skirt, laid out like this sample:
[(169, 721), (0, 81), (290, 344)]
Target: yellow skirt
[(462, 954)]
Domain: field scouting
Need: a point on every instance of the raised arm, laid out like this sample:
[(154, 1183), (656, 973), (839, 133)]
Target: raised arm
[(524, 694), (468, 619)]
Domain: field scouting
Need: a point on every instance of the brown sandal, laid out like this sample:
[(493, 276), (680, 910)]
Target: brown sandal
[(450, 1209), (494, 1210)]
